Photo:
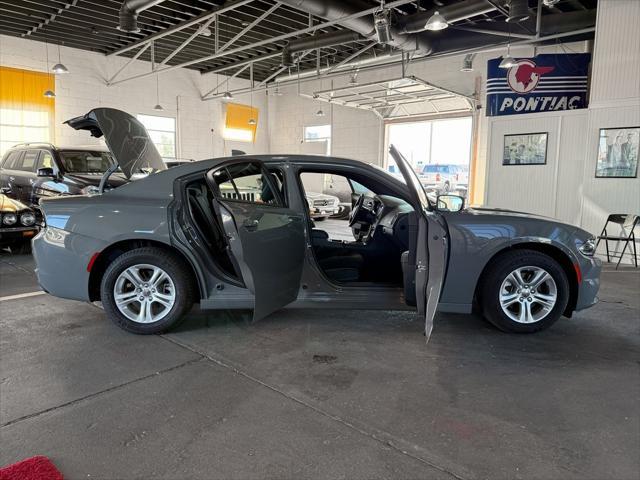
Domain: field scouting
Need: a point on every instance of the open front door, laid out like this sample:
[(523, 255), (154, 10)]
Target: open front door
[(431, 247), (265, 236)]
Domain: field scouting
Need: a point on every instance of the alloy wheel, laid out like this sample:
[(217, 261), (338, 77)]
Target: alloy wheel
[(528, 294), (144, 293)]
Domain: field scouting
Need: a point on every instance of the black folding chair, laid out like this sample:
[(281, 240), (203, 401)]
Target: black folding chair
[(627, 224)]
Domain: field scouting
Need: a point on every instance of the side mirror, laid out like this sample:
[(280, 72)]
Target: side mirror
[(46, 172), (449, 203)]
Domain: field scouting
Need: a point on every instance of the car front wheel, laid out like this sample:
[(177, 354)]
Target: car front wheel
[(146, 290), (524, 291)]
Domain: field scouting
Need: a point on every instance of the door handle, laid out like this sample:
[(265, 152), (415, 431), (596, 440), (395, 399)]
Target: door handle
[(251, 225)]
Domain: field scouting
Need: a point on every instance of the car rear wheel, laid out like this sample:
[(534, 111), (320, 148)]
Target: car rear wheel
[(524, 291), (147, 290)]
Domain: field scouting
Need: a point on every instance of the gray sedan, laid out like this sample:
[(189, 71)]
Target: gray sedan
[(151, 248)]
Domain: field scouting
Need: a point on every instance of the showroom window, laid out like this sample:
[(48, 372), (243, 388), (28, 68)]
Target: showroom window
[(25, 114), (446, 141), (162, 131), (318, 133)]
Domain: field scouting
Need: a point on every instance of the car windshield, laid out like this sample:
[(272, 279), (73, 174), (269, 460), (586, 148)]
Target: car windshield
[(86, 161)]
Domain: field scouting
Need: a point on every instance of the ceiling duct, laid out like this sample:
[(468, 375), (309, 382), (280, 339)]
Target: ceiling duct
[(448, 42), (336, 9), (317, 41), (451, 13), (129, 11), (518, 11), (407, 33)]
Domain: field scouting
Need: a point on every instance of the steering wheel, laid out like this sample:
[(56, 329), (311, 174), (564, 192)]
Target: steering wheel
[(353, 218)]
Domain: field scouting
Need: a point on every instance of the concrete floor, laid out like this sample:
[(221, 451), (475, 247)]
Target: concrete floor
[(319, 394)]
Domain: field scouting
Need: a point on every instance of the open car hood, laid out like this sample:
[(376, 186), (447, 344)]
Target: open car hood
[(125, 136)]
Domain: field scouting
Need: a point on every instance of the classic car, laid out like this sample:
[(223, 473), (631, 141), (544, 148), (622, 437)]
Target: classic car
[(149, 249), (18, 224), (32, 171)]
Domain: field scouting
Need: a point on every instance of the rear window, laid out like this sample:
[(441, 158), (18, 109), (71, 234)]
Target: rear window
[(85, 161)]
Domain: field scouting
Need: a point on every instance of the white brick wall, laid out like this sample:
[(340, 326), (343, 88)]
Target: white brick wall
[(199, 123)]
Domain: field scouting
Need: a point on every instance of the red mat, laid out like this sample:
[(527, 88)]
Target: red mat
[(34, 468)]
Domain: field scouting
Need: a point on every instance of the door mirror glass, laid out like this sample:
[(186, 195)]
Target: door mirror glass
[(449, 203), (45, 172)]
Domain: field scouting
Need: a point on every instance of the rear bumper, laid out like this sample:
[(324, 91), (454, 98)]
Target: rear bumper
[(590, 269), (61, 262)]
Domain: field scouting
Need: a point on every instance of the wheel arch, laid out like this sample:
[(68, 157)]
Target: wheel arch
[(551, 250), (109, 254)]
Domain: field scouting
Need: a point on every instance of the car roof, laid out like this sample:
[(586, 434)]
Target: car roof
[(75, 148)]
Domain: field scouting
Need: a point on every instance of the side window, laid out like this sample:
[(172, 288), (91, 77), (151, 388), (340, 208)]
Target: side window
[(46, 160), (28, 162), (247, 182), (10, 162)]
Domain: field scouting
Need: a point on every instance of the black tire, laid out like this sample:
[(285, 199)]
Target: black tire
[(498, 272), (176, 269), (320, 219)]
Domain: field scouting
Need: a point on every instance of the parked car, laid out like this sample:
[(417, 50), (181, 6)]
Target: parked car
[(442, 178), (32, 171), (18, 224), (149, 249), (322, 205)]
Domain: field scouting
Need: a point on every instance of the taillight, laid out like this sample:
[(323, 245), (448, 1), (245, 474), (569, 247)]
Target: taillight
[(437, 177)]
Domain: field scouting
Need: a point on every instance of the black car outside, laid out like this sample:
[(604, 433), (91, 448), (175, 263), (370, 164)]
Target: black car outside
[(32, 171)]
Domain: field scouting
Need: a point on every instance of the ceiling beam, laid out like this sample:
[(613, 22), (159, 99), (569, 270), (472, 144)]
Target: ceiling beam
[(267, 41)]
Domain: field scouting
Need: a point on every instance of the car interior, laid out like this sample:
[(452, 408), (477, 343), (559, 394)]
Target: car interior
[(368, 246)]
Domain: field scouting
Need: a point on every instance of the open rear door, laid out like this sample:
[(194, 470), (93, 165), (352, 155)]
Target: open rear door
[(265, 236), (431, 247)]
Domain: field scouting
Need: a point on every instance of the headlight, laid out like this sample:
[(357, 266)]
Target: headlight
[(588, 248), (90, 190), (9, 219), (27, 219)]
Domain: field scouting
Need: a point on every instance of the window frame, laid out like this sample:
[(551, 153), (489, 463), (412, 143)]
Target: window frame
[(282, 203), (174, 132), (34, 167)]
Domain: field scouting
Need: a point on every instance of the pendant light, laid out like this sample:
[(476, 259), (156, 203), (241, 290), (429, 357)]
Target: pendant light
[(436, 22), (158, 107), (59, 67), (252, 121), (508, 61), (48, 93), (320, 113)]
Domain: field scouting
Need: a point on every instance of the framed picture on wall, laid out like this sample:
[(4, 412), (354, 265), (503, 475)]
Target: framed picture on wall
[(618, 153), (525, 149)]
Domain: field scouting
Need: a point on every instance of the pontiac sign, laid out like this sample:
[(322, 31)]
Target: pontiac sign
[(544, 83)]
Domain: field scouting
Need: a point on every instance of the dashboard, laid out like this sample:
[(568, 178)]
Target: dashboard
[(390, 217)]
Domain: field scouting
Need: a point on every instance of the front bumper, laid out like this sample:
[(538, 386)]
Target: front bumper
[(12, 235), (590, 268), (324, 211)]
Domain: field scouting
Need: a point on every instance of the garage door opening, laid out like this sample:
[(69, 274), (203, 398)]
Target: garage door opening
[(438, 150)]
